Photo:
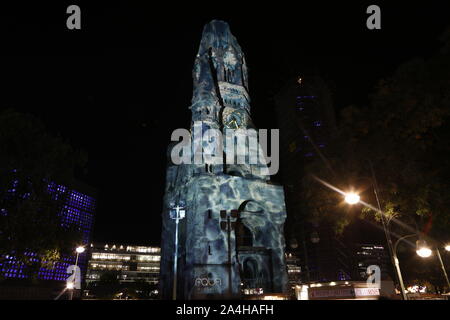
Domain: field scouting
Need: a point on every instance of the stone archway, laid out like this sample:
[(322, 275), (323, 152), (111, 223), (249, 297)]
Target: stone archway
[(251, 206), (254, 259)]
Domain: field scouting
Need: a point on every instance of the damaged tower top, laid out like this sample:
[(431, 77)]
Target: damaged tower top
[(220, 73)]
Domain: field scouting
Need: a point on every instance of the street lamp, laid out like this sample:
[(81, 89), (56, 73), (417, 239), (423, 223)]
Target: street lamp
[(79, 250), (397, 264), (176, 213), (422, 249), (352, 198)]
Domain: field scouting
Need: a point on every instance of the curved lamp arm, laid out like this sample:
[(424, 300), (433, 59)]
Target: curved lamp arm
[(401, 239)]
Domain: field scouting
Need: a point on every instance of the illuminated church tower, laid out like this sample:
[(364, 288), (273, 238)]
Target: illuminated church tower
[(231, 239)]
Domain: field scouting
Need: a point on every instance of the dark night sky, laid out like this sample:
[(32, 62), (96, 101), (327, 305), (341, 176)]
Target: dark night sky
[(122, 84)]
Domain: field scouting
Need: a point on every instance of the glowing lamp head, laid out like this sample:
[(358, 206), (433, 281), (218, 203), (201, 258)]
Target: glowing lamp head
[(80, 249), (70, 285), (352, 198), (423, 250), (447, 247)]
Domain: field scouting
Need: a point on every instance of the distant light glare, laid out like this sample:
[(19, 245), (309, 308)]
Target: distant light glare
[(70, 285), (352, 198), (416, 289)]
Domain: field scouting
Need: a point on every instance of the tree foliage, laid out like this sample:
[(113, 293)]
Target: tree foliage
[(404, 132), (30, 158)]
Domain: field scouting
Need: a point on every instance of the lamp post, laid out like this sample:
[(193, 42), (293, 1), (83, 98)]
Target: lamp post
[(447, 248), (79, 250), (236, 216), (352, 199), (397, 265), (422, 249), (387, 234), (177, 213)]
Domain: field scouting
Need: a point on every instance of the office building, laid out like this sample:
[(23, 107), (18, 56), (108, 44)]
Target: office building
[(122, 272), (130, 263), (366, 255), (76, 210), (294, 269)]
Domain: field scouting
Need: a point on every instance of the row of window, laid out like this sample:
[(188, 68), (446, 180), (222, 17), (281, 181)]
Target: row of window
[(123, 257), (137, 249)]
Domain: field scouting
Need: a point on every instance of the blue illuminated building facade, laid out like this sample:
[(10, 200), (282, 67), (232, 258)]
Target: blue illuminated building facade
[(76, 210)]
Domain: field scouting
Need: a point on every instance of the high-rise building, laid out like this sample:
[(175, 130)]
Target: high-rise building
[(231, 240), (366, 255), (306, 120), (76, 210), (294, 269)]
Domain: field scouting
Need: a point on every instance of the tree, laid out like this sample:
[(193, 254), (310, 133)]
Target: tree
[(404, 132), (30, 159)]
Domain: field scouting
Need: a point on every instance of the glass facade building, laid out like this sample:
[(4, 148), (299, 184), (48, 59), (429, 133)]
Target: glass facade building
[(127, 263), (76, 210)]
